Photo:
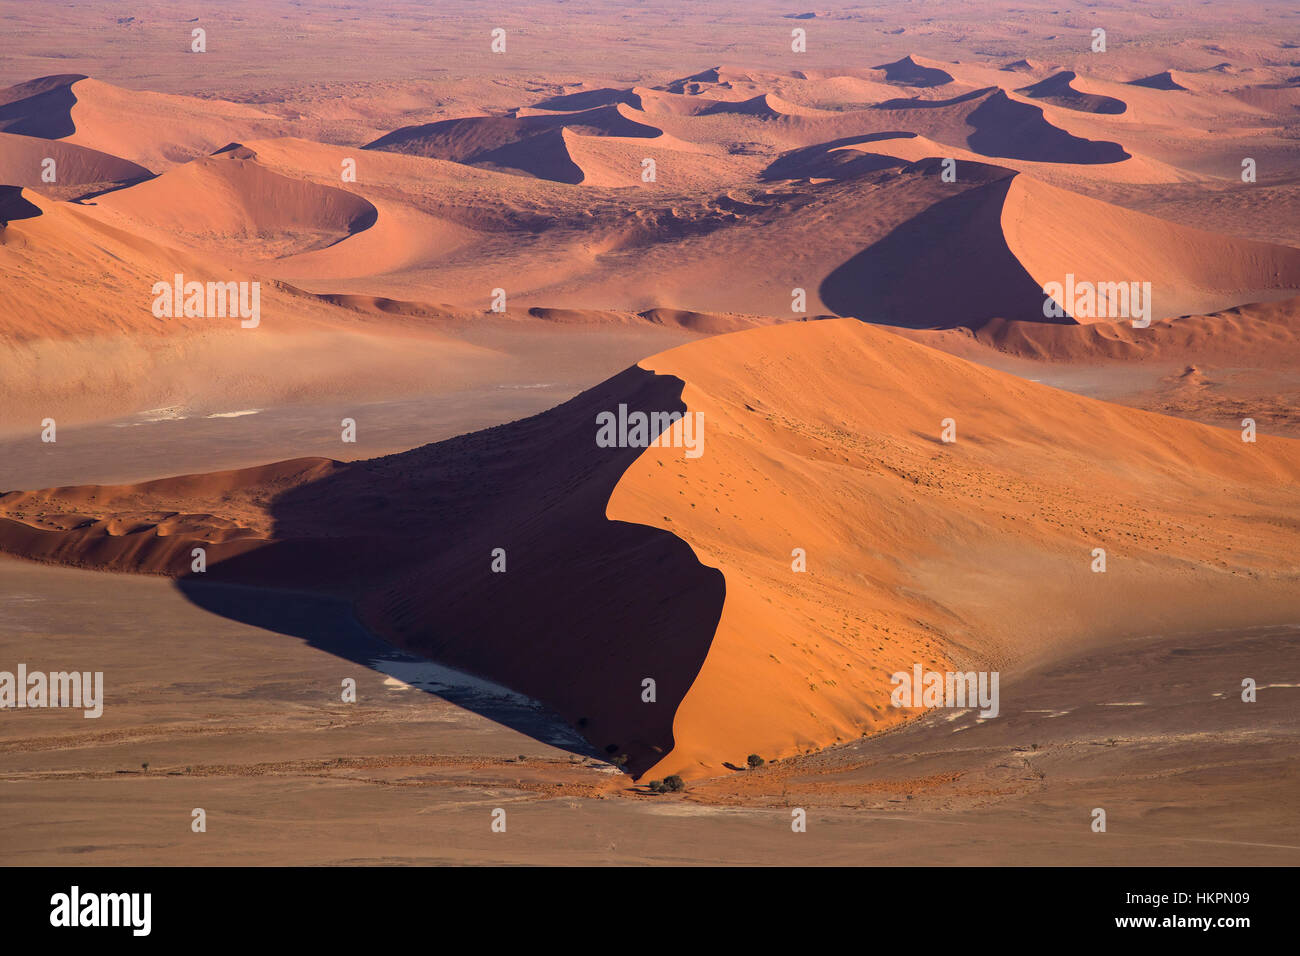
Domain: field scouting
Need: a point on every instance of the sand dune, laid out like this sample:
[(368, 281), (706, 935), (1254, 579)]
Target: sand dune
[(1189, 270), (91, 348), (1160, 81), (154, 130), (706, 323), (15, 206), (910, 72), (1262, 335), (532, 144), (994, 125), (1023, 65), (765, 105), (885, 585), (40, 107), (1059, 90), (749, 655), (246, 207), (415, 226), (77, 170), (1218, 368)]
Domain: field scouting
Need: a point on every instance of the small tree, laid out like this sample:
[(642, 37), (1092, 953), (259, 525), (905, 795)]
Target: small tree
[(674, 784), (754, 761), (656, 786)]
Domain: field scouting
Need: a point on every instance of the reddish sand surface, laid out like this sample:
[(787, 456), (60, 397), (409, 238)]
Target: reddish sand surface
[(839, 262)]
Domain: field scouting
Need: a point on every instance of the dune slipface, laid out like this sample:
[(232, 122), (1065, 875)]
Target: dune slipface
[(579, 612)]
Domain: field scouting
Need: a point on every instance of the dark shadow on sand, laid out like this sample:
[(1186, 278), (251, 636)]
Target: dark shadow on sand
[(947, 267), (585, 611)]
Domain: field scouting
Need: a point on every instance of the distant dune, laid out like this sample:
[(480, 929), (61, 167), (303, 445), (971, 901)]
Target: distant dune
[(1160, 81), (622, 204), (910, 72), (1190, 270), (1059, 90), (243, 203), (153, 130)]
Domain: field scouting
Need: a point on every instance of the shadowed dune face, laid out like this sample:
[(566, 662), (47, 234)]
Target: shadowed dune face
[(992, 124), (585, 610), (545, 155), (892, 281), (588, 607), (14, 205), (907, 72), (588, 99), (41, 108), (1060, 91), (1159, 81), (534, 144), (1005, 128), (831, 161)]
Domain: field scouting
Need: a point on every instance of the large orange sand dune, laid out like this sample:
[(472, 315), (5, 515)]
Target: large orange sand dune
[(626, 564)]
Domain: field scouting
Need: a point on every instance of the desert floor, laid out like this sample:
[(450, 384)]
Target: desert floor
[(246, 726)]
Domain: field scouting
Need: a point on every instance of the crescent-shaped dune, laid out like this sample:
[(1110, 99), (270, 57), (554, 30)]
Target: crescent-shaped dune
[(992, 124), (1053, 232), (490, 139), (1059, 90), (909, 71), (40, 107), (154, 130), (626, 564), (23, 161), (231, 200)]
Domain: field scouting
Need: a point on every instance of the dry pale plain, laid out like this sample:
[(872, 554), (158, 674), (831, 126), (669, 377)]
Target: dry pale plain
[(521, 177)]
